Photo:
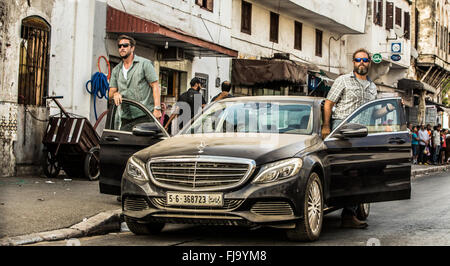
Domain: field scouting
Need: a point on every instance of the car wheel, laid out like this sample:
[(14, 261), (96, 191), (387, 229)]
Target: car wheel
[(143, 228), (309, 228), (362, 212), (92, 164)]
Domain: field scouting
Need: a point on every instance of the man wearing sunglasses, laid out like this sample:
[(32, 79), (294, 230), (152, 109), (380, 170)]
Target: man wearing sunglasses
[(134, 78), (349, 92)]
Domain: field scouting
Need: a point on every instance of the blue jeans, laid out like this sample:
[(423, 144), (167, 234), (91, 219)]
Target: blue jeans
[(348, 210), (436, 153)]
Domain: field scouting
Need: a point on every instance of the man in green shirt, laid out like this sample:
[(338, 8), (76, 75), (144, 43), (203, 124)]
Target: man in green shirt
[(134, 78)]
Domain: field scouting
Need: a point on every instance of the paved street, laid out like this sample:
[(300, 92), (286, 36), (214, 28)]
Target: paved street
[(421, 221)]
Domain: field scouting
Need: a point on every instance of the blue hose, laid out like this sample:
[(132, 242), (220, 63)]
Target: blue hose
[(99, 88)]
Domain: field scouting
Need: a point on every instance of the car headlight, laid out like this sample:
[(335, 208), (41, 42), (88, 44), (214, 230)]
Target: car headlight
[(278, 170), (136, 169)]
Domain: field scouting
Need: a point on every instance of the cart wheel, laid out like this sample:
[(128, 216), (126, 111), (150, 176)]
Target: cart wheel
[(92, 164), (50, 165)]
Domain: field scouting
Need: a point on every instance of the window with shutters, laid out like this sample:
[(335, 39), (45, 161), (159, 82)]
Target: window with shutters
[(378, 12), (319, 35), (246, 18), (206, 4), (398, 16), (389, 15), (407, 23), (298, 35), (34, 61), (274, 23)]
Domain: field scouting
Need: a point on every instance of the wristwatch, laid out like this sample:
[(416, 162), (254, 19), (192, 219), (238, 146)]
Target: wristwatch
[(158, 107)]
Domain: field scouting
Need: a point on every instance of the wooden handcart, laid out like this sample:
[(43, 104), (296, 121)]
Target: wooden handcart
[(71, 143)]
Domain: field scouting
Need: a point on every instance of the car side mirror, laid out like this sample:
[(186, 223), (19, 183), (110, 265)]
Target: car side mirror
[(147, 129), (352, 131)]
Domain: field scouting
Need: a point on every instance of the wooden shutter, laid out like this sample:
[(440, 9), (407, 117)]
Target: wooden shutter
[(380, 13), (274, 20), (199, 2), (375, 12), (407, 29), (398, 16), (318, 43), (298, 35), (246, 18), (210, 5), (389, 15)]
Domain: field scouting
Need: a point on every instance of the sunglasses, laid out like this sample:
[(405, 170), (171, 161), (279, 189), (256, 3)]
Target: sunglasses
[(365, 60), (123, 45)]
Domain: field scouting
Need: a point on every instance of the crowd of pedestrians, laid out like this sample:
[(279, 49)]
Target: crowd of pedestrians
[(428, 144)]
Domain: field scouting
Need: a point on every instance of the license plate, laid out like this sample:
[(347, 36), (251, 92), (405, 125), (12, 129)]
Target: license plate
[(194, 199)]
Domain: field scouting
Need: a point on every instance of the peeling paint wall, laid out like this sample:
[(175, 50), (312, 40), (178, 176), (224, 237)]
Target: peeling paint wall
[(13, 151)]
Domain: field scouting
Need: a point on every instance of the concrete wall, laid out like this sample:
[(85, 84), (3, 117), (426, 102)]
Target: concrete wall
[(18, 146), (258, 45), (375, 40), (430, 12)]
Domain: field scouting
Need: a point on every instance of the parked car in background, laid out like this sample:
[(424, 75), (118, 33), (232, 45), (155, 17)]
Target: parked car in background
[(261, 161)]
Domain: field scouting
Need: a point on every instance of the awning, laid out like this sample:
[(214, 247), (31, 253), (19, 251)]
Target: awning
[(247, 72), (439, 106), (153, 33), (415, 85)]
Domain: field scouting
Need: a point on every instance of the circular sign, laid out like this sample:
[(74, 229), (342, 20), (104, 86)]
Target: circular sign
[(396, 57), (377, 58)]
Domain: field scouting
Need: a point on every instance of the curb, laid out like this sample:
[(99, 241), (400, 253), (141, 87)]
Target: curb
[(426, 171), (101, 223)]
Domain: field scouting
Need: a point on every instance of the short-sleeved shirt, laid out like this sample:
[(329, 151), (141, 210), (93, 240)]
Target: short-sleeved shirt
[(137, 84), (348, 93), (189, 97), (414, 140)]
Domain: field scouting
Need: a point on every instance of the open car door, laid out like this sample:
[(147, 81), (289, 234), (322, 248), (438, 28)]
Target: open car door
[(118, 141), (370, 167)]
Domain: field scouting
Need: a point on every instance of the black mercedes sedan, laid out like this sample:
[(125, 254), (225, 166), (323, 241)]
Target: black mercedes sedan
[(261, 161)]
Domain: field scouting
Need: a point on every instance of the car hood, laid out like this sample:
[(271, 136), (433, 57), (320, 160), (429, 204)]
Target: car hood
[(261, 148)]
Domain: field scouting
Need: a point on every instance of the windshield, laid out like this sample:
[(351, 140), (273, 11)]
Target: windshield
[(254, 117)]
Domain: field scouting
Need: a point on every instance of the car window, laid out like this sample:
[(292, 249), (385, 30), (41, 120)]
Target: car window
[(376, 119), (255, 117), (127, 115)]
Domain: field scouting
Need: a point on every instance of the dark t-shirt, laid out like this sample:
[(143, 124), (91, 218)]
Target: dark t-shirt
[(188, 97), (215, 97)]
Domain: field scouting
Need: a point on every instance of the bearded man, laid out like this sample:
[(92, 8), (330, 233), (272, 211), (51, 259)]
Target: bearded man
[(134, 78), (349, 92)]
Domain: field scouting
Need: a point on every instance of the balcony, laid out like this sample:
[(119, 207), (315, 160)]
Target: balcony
[(327, 14)]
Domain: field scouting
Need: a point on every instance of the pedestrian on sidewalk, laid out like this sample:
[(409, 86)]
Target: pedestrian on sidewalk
[(436, 143), (443, 146), (415, 144), (424, 139)]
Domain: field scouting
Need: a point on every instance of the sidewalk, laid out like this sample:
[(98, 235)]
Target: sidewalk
[(35, 209), (62, 208)]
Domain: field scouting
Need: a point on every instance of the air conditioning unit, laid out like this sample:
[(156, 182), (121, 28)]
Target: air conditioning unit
[(171, 54)]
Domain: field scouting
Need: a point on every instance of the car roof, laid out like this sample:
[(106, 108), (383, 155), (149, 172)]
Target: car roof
[(273, 98)]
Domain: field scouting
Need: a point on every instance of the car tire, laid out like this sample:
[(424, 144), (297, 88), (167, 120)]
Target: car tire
[(143, 228), (309, 228), (363, 211), (92, 164)]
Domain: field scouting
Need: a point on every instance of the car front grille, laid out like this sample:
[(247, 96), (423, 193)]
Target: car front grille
[(228, 204), (200, 173), (272, 208), (135, 204)]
